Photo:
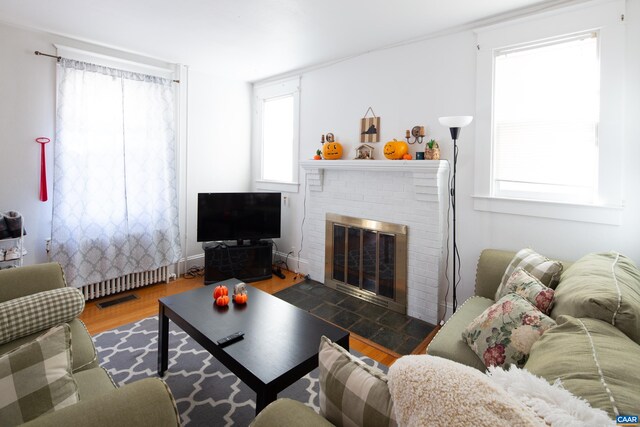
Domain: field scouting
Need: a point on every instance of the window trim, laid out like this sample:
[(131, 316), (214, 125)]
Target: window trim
[(290, 86), (601, 16)]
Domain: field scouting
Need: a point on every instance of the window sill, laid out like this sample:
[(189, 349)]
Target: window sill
[(286, 187), (598, 214)]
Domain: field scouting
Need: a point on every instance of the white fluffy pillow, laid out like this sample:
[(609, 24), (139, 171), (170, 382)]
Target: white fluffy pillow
[(552, 402), (429, 390)]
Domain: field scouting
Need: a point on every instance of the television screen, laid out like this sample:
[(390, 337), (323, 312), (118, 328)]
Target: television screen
[(238, 216)]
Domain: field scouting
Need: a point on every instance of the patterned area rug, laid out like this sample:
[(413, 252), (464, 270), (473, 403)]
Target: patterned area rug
[(206, 392)]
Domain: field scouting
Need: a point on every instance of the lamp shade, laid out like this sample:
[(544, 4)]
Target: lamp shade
[(455, 121)]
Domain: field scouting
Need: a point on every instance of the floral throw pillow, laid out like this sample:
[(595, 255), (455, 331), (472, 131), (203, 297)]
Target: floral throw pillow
[(523, 283), (504, 333)]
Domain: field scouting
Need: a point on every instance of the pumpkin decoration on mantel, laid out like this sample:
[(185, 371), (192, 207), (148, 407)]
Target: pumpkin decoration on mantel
[(395, 150), (332, 151)]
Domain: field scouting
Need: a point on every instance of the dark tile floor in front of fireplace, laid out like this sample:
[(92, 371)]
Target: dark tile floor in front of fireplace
[(392, 330)]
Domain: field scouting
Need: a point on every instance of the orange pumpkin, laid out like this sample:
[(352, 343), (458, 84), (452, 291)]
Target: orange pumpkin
[(394, 150), (219, 291), (332, 150), (240, 298), (222, 300), (407, 157)]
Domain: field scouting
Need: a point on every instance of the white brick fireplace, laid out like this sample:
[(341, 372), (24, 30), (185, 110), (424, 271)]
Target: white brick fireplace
[(406, 192)]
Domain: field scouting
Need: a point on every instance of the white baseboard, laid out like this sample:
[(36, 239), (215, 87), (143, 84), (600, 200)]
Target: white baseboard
[(295, 265)]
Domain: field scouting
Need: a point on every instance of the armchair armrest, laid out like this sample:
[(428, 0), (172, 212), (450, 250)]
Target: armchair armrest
[(31, 279), (147, 402), (490, 269)]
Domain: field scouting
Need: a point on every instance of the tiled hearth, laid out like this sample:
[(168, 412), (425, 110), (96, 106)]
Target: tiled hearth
[(411, 193)]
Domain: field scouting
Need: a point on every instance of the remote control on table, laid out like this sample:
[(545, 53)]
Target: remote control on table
[(237, 336)]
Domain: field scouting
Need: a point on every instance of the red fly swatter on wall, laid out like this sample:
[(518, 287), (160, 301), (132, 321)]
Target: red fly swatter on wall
[(43, 168)]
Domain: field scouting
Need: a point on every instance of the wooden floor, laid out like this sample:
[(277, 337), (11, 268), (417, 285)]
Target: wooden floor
[(102, 319)]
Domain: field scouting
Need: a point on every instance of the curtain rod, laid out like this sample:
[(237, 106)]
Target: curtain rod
[(58, 58)]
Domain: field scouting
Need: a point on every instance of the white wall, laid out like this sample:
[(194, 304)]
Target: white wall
[(218, 129), (414, 85), (218, 153)]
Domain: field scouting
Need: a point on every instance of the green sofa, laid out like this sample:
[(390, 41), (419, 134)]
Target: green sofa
[(448, 341), (584, 300), (146, 402)]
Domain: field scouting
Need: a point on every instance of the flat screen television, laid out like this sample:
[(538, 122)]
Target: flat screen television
[(238, 216)]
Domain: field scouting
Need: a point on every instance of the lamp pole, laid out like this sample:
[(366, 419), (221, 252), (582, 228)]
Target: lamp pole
[(454, 135), (454, 123)]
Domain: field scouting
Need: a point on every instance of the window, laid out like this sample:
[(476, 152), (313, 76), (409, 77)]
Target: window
[(277, 117), (115, 204), (549, 105), (546, 112)]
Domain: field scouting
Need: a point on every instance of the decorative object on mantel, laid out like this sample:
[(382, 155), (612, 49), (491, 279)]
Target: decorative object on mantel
[(395, 150), (370, 127), (419, 155), (364, 152), (318, 155), (432, 150), (454, 123), (418, 135), (331, 150)]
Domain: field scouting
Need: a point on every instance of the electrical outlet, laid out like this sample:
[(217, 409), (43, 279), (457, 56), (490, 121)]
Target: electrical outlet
[(285, 200)]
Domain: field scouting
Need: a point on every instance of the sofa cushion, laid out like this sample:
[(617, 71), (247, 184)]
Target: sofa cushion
[(540, 267), (26, 315), (523, 283), (352, 393), (93, 383), (36, 378), (504, 333), (432, 391), (603, 286), (84, 352), (594, 360), (286, 412), (448, 342)]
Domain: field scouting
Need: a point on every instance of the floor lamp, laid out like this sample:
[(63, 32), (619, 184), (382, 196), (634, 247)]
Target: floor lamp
[(454, 123)]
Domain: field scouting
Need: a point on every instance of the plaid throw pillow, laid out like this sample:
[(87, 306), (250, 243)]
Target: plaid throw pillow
[(542, 268), (36, 378), (524, 284), (27, 315), (352, 393)]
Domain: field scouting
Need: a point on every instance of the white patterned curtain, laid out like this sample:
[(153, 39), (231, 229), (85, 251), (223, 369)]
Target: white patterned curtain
[(115, 205)]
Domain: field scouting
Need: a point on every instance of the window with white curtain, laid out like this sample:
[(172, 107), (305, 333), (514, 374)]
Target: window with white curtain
[(277, 124), (115, 204), (549, 114)]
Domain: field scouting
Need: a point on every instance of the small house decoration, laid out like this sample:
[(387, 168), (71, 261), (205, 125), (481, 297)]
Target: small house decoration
[(364, 152), (370, 127)]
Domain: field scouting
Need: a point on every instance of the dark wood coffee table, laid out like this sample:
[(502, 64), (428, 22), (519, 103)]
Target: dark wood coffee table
[(280, 343)]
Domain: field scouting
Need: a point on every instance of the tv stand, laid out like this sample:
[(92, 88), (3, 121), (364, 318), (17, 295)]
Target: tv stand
[(247, 262)]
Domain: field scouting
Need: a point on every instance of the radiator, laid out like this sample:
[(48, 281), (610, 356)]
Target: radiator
[(125, 283)]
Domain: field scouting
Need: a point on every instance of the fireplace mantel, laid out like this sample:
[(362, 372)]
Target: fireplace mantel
[(427, 166), (426, 174)]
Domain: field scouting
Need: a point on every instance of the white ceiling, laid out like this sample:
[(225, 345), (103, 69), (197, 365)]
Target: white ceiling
[(253, 39)]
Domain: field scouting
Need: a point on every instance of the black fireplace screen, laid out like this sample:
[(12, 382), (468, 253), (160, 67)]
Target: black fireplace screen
[(369, 257)]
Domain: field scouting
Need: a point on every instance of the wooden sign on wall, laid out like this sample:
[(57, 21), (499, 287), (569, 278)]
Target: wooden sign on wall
[(370, 127)]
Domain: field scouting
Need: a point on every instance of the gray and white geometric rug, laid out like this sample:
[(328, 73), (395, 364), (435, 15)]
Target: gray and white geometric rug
[(206, 392)]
